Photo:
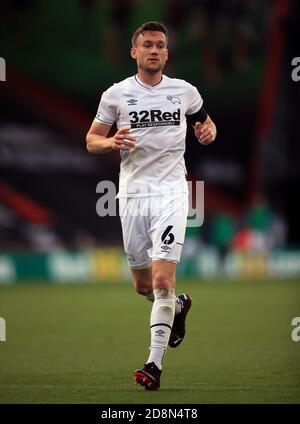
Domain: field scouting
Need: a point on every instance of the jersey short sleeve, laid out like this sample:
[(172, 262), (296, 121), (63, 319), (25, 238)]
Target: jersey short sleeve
[(195, 100), (108, 107)]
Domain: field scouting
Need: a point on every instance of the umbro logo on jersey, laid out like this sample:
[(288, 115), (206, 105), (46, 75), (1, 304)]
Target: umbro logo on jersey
[(174, 99), (131, 102)]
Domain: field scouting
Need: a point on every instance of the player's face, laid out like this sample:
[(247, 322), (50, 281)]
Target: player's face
[(150, 51)]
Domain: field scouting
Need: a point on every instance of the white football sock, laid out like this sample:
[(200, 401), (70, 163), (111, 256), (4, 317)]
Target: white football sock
[(161, 321), (150, 296), (156, 356)]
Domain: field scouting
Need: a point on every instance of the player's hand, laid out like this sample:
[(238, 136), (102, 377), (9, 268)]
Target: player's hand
[(122, 140), (206, 132)]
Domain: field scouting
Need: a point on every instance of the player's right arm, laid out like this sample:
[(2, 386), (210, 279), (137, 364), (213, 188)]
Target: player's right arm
[(98, 142)]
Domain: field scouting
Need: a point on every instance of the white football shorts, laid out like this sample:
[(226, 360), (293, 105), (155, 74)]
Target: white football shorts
[(153, 228)]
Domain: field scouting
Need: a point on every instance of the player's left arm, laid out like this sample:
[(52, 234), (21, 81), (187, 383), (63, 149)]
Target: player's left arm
[(206, 132), (204, 127)]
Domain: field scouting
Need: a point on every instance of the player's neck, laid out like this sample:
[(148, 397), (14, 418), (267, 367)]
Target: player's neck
[(150, 79)]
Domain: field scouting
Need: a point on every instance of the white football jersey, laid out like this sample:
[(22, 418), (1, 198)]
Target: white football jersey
[(157, 117)]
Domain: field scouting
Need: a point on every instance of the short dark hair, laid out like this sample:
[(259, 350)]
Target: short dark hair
[(149, 26)]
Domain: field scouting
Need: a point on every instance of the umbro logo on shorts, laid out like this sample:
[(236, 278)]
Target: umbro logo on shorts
[(167, 238)]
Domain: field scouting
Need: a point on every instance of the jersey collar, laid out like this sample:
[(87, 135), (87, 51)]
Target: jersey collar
[(148, 86)]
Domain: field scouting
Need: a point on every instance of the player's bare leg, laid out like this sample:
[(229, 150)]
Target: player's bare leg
[(142, 279)]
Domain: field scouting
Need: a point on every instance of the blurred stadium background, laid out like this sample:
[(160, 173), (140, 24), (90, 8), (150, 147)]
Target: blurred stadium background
[(61, 55)]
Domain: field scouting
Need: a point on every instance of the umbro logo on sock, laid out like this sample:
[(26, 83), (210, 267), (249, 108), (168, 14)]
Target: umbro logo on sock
[(160, 332)]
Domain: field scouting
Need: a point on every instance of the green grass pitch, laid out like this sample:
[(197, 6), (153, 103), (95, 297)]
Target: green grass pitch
[(81, 344)]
